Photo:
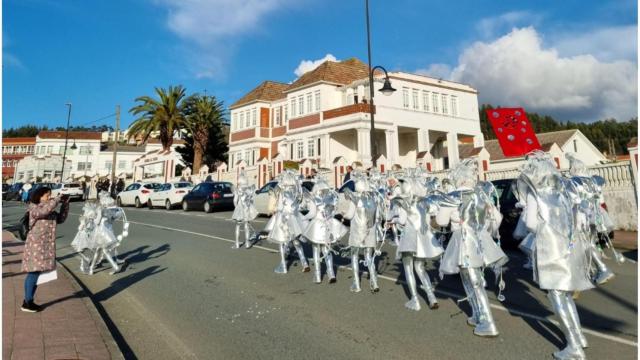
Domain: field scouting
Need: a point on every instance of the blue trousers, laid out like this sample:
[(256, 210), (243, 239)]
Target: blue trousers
[(30, 285)]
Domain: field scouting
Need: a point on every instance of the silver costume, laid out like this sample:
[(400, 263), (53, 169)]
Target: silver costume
[(96, 238), (591, 219), (365, 211), (286, 224), (245, 210), (473, 217), (323, 229), (412, 212), (560, 263)]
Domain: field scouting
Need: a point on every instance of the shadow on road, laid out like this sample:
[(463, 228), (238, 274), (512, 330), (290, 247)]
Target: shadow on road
[(124, 282)]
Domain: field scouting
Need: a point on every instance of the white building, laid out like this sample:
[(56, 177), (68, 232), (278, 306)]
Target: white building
[(322, 120), (92, 157)]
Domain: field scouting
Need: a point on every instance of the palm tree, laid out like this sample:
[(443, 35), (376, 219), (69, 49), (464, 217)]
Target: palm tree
[(202, 113), (165, 115)]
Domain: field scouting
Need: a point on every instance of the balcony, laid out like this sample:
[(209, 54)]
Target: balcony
[(257, 132), (347, 110)]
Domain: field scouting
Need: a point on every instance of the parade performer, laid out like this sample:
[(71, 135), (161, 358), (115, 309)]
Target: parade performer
[(417, 243), (104, 238), (592, 220), (473, 216), (286, 224), (83, 242), (559, 258), (365, 215), (245, 210), (323, 229)]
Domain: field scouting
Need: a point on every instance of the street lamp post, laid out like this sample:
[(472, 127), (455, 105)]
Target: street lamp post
[(66, 140), (386, 89)]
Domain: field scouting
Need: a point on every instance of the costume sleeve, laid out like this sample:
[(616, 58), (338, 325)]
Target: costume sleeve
[(531, 213), (444, 215), (350, 212)]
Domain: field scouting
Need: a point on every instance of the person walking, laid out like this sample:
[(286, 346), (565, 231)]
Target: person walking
[(85, 191), (347, 176), (119, 186), (25, 191), (40, 248)]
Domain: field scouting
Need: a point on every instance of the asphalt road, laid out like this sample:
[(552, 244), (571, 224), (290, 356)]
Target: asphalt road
[(186, 294)]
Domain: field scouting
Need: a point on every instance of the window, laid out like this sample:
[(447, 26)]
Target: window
[(300, 150), (293, 107), (46, 174), (309, 102), (235, 121), (454, 105), (277, 116), (300, 105), (311, 151), (247, 120), (414, 94), (425, 100), (122, 164), (445, 106), (85, 150), (286, 113), (575, 145), (108, 165), (49, 149), (253, 117), (241, 120), (434, 103), (84, 166), (405, 97), (317, 94)]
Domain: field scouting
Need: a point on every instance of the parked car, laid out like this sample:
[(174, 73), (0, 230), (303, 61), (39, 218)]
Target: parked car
[(208, 196), (265, 203), (13, 192), (511, 213), (136, 194), (73, 190), (169, 195)]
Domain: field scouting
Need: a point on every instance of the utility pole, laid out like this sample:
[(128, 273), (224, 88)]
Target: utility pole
[(66, 140), (115, 149)]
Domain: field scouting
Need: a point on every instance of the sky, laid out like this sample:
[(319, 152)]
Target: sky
[(572, 59)]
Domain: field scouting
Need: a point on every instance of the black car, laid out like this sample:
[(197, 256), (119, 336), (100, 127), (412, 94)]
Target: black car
[(510, 213), (13, 192), (208, 196)]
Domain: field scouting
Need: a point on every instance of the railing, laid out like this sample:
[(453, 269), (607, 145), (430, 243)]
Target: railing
[(346, 110)]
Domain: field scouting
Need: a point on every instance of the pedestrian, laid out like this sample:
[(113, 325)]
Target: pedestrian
[(40, 248), (107, 186), (347, 176), (85, 191), (26, 188), (120, 186), (312, 175)]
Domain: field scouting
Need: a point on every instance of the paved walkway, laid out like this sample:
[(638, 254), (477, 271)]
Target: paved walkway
[(68, 328), (627, 240)]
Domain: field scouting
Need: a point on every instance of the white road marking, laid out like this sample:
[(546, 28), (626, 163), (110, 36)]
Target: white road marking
[(388, 278)]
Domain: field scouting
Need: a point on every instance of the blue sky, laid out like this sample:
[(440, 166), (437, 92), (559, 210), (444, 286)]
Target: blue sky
[(576, 60)]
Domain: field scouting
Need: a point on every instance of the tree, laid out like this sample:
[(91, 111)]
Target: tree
[(23, 131), (202, 113), (215, 151), (165, 116)]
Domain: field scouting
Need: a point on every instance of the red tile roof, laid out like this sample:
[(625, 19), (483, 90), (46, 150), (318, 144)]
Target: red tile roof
[(84, 135), (19, 140), (267, 91), (343, 73)]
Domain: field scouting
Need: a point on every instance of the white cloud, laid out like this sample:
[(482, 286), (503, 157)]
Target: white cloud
[(491, 26), (437, 71), (9, 59), (212, 27), (605, 44), (308, 65), (517, 70)]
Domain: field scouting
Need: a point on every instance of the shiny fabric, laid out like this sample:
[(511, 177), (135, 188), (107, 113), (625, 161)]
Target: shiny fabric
[(245, 209)]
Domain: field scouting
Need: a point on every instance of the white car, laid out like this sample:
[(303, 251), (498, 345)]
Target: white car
[(73, 190), (169, 195), (136, 194)]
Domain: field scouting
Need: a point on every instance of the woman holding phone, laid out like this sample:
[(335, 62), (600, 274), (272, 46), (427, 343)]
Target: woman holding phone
[(40, 249)]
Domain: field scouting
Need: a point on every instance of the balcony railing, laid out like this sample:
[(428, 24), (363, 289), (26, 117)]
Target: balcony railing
[(347, 110)]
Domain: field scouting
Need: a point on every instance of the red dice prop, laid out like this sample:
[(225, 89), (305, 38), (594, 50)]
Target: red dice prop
[(513, 130)]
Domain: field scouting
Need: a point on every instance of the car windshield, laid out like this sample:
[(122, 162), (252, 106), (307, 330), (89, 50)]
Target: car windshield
[(182, 185), (152, 186), (56, 186), (72, 185)]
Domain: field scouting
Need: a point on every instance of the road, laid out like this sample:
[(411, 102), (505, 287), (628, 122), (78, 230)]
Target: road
[(186, 294)]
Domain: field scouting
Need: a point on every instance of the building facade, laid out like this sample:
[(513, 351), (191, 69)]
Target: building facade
[(14, 150), (322, 119)]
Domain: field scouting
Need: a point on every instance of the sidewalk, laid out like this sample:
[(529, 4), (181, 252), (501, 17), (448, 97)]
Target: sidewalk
[(68, 328)]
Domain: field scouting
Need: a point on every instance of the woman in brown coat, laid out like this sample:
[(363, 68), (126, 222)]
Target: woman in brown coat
[(40, 248)]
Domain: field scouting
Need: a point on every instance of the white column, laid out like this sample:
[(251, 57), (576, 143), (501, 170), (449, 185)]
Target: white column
[(393, 147), (452, 148), (423, 140), (325, 150), (364, 146)]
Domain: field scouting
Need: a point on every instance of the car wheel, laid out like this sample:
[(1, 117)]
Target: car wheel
[(185, 206), (149, 204), (138, 203), (207, 207), (167, 204), (119, 202)]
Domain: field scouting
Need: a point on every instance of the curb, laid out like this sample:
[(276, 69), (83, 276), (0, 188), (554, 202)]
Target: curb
[(108, 339)]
